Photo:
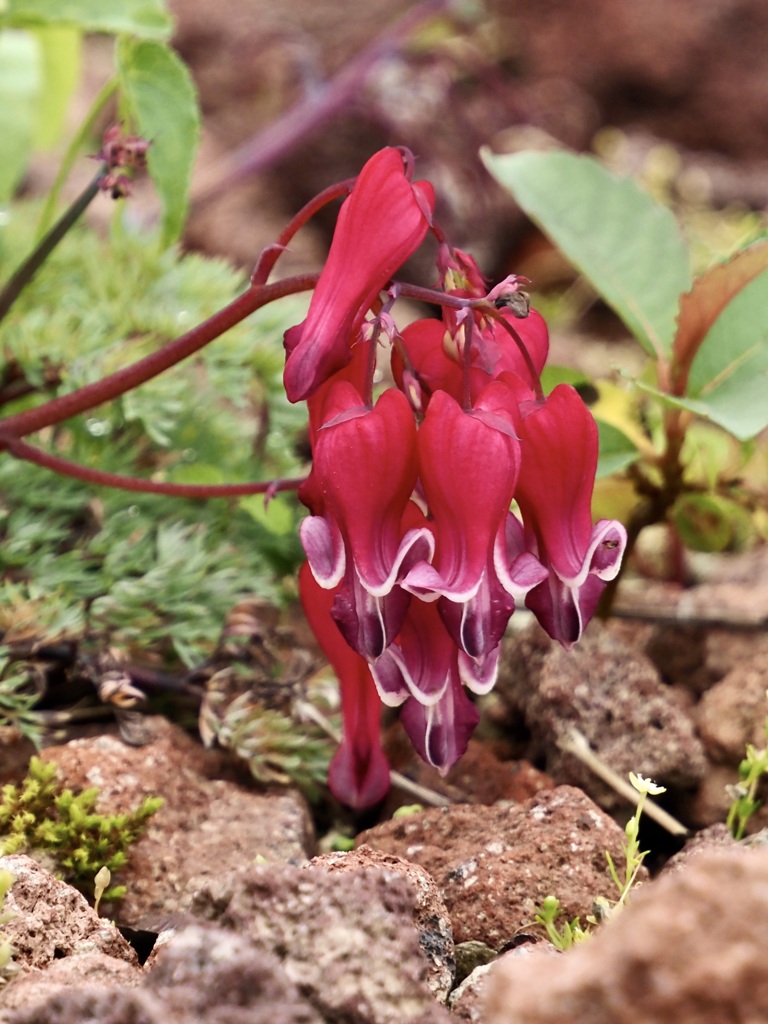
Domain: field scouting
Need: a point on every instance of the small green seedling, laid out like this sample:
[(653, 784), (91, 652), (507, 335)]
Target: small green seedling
[(633, 856), (570, 933), (744, 793)]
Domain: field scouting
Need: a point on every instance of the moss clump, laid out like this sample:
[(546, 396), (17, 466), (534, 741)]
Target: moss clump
[(42, 818)]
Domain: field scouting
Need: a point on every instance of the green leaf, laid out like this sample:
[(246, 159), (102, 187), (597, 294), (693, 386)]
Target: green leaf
[(279, 515), (60, 50), (147, 19), (553, 375), (617, 451), (732, 360), (627, 245), (729, 375), (161, 99), (21, 81), (710, 295)]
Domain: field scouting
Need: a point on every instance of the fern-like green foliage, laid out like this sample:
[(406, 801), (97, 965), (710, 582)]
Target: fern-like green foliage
[(17, 700), (147, 572), (42, 818)]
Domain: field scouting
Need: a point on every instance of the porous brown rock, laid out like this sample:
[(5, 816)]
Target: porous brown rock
[(613, 696), (467, 1001), (733, 712), (206, 827), (31, 987), (347, 939), (203, 973), (495, 865), (690, 948), (49, 920), (430, 914)]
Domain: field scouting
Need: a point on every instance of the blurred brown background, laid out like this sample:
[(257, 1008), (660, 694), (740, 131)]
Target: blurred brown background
[(456, 76)]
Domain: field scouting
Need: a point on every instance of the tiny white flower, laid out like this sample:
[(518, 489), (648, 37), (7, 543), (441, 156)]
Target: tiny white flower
[(645, 785)]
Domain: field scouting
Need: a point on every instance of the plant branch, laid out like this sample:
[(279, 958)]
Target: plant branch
[(29, 453), (116, 384), (24, 274)]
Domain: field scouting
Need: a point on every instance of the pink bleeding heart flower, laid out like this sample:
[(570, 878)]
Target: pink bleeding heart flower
[(468, 463), (381, 223), (365, 468), (420, 661), (359, 772), (559, 446)]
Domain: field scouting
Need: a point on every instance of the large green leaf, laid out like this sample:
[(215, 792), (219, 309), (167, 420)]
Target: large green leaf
[(161, 99), (148, 19), (627, 245), (21, 80), (700, 307), (729, 375)]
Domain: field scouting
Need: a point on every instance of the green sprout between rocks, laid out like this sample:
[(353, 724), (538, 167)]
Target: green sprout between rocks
[(569, 933), (744, 793), (51, 823)]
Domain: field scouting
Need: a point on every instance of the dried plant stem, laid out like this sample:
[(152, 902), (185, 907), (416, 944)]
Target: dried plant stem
[(576, 743)]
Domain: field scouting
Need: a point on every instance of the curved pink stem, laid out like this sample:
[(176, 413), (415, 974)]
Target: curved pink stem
[(116, 384), (29, 453)]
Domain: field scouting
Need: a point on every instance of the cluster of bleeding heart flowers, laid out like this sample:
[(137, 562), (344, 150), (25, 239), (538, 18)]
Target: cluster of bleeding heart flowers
[(415, 559)]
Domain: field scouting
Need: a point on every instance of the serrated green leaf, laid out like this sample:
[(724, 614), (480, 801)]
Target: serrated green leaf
[(161, 99), (627, 245), (60, 52), (21, 81), (147, 19)]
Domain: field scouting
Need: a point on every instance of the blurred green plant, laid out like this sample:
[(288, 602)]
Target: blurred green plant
[(682, 432), (6, 950), (142, 569), (744, 801), (42, 818), (41, 53), (18, 699)]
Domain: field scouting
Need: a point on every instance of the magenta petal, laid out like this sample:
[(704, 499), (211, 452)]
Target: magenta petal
[(369, 624), (324, 550), (563, 610), (477, 624), (468, 470), (423, 655), (479, 674), (358, 775), (557, 473), (380, 225), (440, 732), (366, 467), (389, 679), (359, 772)]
